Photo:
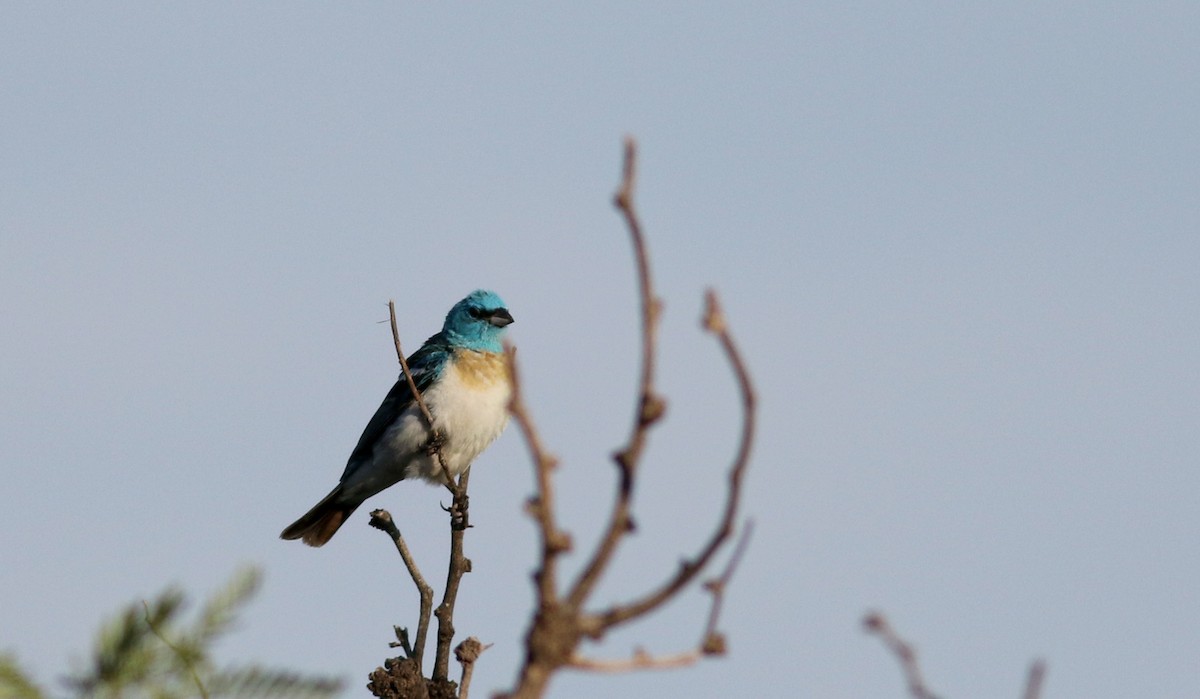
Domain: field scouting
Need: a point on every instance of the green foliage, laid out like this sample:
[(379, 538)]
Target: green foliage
[(148, 652), (13, 682)]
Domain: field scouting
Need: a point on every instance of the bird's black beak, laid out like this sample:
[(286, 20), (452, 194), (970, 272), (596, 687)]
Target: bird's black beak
[(500, 317)]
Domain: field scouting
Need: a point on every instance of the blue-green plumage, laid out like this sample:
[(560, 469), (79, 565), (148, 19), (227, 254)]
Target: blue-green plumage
[(462, 378)]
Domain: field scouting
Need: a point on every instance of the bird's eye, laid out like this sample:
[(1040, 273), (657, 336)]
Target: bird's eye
[(475, 312)]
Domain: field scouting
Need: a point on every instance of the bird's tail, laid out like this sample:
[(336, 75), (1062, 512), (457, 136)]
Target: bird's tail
[(320, 523)]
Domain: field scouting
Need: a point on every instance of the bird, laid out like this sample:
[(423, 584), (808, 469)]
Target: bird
[(462, 376)]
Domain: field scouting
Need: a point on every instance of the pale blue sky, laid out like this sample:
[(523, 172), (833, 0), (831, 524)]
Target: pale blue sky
[(958, 243)]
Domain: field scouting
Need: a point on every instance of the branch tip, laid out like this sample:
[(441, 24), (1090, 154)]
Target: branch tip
[(624, 196), (714, 644), (876, 623), (469, 650), (382, 520), (1033, 683), (562, 621), (714, 317)]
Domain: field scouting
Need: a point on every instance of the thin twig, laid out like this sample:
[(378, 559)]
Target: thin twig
[(875, 623), (1033, 683), (435, 442), (467, 653), (412, 385), (641, 660), (714, 322), (458, 566), (711, 643), (541, 506), (183, 658), (560, 624), (402, 641), (382, 520), (650, 408)]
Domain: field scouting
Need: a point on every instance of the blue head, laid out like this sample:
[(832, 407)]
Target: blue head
[(477, 322)]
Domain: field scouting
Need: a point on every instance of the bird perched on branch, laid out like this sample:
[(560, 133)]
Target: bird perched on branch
[(462, 378)]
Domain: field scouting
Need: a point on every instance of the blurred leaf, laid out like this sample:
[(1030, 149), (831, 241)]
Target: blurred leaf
[(148, 652), (14, 683), (126, 652), (259, 683), (222, 608)]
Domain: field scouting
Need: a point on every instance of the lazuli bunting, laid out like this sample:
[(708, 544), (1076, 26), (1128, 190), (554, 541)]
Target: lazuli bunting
[(463, 380)]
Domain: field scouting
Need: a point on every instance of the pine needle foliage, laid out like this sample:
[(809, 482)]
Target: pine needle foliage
[(15, 684), (149, 651)]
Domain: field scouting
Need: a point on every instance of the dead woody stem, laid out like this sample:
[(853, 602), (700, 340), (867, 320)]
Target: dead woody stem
[(561, 621), (459, 564)]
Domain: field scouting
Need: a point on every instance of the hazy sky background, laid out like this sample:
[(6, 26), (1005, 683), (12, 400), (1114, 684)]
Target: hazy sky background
[(959, 243)]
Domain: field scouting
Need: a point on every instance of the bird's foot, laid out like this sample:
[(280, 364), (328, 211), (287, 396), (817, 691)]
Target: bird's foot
[(458, 511), (434, 446)]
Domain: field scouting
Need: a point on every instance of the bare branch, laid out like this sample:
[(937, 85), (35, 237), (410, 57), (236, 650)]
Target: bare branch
[(435, 437), (458, 566), (382, 520), (541, 506), (711, 642), (402, 641), (412, 385), (875, 623), (650, 408), (561, 623), (641, 660), (467, 653), (1033, 684), (713, 321)]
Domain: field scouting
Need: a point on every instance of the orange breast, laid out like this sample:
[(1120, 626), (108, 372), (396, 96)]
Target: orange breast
[(480, 369)]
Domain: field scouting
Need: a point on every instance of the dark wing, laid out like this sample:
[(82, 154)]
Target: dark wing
[(426, 365)]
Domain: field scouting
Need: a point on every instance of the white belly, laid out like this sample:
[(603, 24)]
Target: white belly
[(468, 412)]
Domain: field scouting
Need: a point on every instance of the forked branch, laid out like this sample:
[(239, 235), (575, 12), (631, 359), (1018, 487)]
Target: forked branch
[(561, 622), (459, 564), (877, 624), (712, 642), (650, 406), (382, 520), (434, 446), (714, 322)]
